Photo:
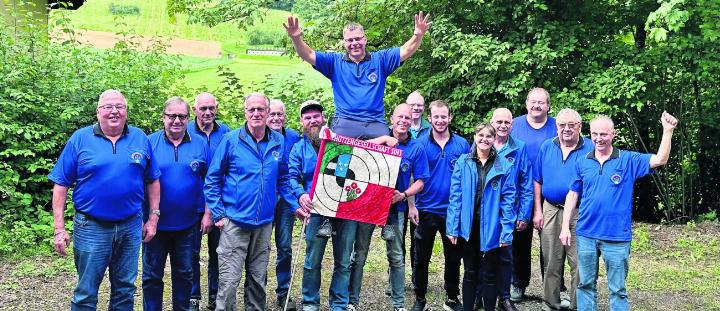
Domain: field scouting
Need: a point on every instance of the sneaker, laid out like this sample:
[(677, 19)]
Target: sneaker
[(290, 305), (419, 306), (194, 305), (516, 293), (388, 292), (564, 300), (507, 305), (351, 307), (325, 230), (388, 234), (211, 303), (452, 305), (399, 309)]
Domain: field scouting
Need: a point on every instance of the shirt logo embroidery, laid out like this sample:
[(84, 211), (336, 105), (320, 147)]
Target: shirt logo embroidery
[(372, 77), (194, 165), (276, 155), (511, 160), (405, 167), (136, 157), (495, 185), (616, 179)]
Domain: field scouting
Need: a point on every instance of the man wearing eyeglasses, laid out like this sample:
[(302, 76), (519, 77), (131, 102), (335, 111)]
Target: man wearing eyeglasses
[(419, 125), (211, 132), (112, 169), (241, 192), (183, 159), (284, 217), (552, 174)]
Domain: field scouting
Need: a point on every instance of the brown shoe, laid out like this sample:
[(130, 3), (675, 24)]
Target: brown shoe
[(507, 305)]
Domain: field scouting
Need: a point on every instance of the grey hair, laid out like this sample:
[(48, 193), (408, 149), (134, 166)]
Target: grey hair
[(258, 94), (205, 94), (602, 117), (278, 102), (110, 92), (539, 90), (176, 100), (569, 112), (353, 26)]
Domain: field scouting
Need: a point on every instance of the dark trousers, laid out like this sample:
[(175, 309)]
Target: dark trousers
[(491, 269), (424, 236), (212, 272), (177, 244), (521, 256)]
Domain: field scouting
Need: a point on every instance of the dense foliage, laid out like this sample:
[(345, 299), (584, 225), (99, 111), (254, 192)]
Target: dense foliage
[(48, 90), (627, 59)]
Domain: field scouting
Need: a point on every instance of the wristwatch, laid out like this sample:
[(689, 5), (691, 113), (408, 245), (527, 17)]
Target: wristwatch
[(406, 196), (155, 211)]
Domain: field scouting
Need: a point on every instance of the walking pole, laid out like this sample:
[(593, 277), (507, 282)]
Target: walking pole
[(294, 263)]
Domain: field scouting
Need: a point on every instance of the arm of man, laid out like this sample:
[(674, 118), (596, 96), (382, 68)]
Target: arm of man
[(538, 220), (422, 24), (570, 203), (150, 227), (384, 140), (62, 238), (669, 123), (295, 33)]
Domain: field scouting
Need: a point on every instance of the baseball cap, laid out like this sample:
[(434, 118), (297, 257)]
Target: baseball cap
[(310, 104)]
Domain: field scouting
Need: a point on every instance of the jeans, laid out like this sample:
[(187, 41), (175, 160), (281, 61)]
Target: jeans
[(363, 235), (212, 276), (396, 261), (424, 236), (284, 223), (490, 270), (342, 242), (617, 260), (358, 129), (177, 244), (242, 249), (100, 245)]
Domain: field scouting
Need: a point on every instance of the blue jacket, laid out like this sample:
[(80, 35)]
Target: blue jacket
[(515, 152), (497, 216), (301, 170), (241, 182)]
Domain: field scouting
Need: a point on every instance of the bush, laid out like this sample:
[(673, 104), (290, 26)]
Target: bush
[(48, 91), (263, 36), (124, 9)]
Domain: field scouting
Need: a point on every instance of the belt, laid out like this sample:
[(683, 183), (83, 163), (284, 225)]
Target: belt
[(95, 219), (559, 206)]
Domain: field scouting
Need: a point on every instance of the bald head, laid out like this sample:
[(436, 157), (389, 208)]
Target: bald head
[(205, 110), (502, 122), (401, 118), (502, 113), (401, 109)]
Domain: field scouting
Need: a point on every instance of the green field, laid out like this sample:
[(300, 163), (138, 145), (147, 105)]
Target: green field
[(153, 21)]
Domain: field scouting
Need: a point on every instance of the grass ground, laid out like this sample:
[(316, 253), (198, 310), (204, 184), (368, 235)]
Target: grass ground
[(672, 267), (153, 21)]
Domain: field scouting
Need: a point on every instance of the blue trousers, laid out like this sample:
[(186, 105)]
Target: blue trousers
[(284, 223), (178, 245), (99, 246), (212, 275), (617, 261)]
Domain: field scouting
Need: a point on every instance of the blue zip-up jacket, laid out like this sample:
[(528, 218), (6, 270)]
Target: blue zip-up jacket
[(301, 168), (515, 152), (497, 216), (241, 182), (291, 137)]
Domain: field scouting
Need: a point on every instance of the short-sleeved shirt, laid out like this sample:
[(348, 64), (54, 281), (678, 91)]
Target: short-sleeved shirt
[(358, 88), (435, 196), (413, 164), (606, 193), (181, 183), (422, 130), (109, 178), (533, 137), (554, 173)]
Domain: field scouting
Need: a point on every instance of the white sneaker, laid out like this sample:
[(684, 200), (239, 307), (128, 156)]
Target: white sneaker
[(351, 307), (564, 300)]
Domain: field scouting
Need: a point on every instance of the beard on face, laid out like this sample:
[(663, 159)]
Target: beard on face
[(313, 132)]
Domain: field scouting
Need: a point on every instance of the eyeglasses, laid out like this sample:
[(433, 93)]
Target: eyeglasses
[(255, 110), (181, 117), (356, 39), (570, 125), (206, 108), (110, 107), (501, 122), (277, 114)]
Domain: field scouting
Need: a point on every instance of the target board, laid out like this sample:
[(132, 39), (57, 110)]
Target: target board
[(355, 179)]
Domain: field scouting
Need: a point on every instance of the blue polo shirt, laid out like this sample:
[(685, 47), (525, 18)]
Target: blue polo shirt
[(414, 163), (216, 135), (181, 183), (436, 193), (358, 89), (532, 137), (554, 173), (605, 211), (109, 178)]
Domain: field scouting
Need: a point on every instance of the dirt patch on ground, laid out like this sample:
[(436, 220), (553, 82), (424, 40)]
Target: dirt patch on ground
[(46, 283), (106, 40)]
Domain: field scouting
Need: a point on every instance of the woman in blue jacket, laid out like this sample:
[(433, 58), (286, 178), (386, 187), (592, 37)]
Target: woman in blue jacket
[(481, 213)]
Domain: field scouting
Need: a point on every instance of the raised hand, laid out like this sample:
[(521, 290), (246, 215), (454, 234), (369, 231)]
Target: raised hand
[(668, 121), (422, 23), (293, 27)]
